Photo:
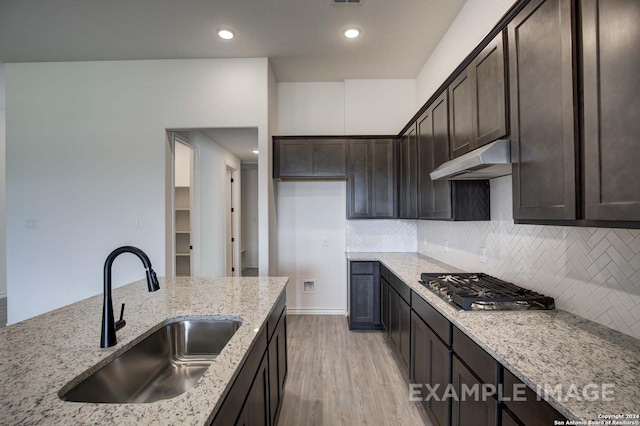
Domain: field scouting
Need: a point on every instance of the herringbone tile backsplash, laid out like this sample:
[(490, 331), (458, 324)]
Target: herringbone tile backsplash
[(591, 272), (381, 235)]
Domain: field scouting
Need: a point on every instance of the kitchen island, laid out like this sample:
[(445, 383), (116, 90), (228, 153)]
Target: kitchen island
[(43, 354), (563, 358)]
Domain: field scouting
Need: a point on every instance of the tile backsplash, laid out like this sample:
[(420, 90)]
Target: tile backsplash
[(591, 272), (381, 235)]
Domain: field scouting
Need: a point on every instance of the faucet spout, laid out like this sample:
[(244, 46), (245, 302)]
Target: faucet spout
[(108, 335)]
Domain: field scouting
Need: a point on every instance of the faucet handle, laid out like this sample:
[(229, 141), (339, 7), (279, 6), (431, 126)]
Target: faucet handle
[(121, 322)]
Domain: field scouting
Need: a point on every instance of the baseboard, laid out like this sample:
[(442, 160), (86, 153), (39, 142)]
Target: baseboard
[(315, 311)]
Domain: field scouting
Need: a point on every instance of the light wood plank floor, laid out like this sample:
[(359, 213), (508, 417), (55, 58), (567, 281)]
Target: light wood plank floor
[(341, 377)]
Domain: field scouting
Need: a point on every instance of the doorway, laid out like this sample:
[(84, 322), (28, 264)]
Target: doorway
[(232, 251)]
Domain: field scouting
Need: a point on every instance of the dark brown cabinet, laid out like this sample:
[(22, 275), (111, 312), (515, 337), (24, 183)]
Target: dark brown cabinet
[(384, 304), (611, 70), (277, 367), (528, 409), (400, 319), (317, 158), (477, 101), (471, 411), (434, 197), (364, 296), (442, 199), (543, 105), (408, 197), (371, 186), (255, 397), (430, 365)]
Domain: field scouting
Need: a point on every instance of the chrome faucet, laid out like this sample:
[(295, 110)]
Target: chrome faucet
[(109, 326)]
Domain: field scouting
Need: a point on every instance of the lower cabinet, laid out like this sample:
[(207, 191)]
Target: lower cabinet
[(529, 410), (257, 392), (474, 409), (430, 370), (384, 304), (399, 321), (364, 296)]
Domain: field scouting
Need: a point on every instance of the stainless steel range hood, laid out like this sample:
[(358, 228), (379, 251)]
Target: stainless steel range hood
[(487, 162)]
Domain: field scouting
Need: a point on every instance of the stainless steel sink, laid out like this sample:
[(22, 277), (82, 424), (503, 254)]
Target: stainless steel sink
[(162, 366)]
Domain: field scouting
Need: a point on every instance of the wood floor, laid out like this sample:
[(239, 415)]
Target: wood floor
[(341, 377)]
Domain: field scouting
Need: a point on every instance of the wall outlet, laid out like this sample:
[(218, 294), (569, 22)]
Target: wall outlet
[(31, 224), (325, 242), (309, 286), (446, 246), (385, 239), (483, 254), (139, 222)]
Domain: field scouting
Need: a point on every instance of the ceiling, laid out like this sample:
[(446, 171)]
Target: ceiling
[(239, 141), (302, 38)]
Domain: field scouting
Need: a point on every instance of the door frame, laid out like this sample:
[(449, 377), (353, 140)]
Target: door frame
[(232, 199)]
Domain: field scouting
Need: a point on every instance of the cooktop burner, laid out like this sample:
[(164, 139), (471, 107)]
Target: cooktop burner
[(482, 292)]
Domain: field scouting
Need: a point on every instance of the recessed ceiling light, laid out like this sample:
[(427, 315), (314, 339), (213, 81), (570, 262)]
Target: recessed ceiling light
[(351, 33), (255, 151), (225, 34)]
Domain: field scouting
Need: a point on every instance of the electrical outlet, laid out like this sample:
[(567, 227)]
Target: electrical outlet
[(446, 246), (385, 239), (325, 241), (483, 254), (309, 285), (139, 222), (31, 224)]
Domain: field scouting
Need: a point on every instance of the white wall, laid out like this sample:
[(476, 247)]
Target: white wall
[(86, 158), (311, 109), (250, 215), (378, 107), (210, 187), (308, 212), (473, 23)]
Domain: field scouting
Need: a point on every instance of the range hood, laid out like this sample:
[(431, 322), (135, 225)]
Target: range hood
[(487, 162)]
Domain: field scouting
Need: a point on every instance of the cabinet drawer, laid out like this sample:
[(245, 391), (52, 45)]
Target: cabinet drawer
[(403, 290), (362, 268), (529, 410), (477, 359), (432, 318)]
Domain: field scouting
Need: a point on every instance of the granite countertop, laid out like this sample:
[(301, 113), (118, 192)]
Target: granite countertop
[(543, 349), (42, 354)]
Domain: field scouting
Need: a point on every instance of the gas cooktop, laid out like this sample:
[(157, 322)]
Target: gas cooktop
[(482, 292)]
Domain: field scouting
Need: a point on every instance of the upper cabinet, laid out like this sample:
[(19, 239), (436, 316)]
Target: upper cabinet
[(611, 77), (301, 158), (372, 184), (477, 100), (442, 199), (543, 111), (408, 197)]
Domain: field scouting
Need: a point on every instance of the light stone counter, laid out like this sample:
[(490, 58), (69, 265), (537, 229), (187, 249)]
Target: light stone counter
[(540, 348), (41, 355)]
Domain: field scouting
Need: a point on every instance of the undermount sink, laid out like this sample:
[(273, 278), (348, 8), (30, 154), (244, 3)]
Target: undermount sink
[(162, 366)]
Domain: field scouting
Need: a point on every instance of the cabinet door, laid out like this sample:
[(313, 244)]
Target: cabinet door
[(487, 72), (383, 179), (611, 109), (277, 367), (409, 174), (434, 197), (296, 158), (384, 300), (362, 299), (359, 194), (543, 119), (404, 312), (471, 411), (394, 318), (330, 158), (507, 419), (430, 365), (256, 407), (462, 114)]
